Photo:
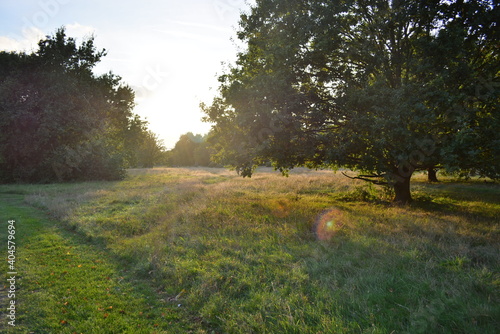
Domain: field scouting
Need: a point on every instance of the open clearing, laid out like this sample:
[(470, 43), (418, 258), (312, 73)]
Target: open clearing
[(201, 250)]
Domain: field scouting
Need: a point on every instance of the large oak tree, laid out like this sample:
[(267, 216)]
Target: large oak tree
[(377, 86)]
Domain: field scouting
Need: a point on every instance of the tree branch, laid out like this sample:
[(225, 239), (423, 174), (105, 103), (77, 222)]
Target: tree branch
[(367, 178)]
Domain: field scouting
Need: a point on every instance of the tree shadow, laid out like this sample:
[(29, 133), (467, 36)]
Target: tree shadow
[(426, 267), (488, 192)]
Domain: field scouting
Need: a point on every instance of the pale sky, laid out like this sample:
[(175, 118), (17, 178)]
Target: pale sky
[(170, 52)]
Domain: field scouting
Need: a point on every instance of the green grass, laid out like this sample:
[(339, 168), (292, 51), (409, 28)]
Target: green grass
[(67, 285), (204, 251)]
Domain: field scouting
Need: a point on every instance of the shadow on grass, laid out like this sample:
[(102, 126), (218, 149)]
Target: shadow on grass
[(383, 289), (432, 266), (486, 192), (388, 269)]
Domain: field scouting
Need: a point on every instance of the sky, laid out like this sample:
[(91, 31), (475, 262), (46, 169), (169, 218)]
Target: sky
[(170, 52)]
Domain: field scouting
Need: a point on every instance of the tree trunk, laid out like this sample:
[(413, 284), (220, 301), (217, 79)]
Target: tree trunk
[(431, 175), (402, 191)]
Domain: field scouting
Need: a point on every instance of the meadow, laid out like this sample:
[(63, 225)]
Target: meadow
[(201, 250)]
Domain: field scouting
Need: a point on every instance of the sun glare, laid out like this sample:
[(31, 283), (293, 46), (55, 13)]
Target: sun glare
[(329, 223)]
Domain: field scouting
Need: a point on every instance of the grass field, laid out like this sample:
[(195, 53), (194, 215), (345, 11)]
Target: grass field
[(172, 250)]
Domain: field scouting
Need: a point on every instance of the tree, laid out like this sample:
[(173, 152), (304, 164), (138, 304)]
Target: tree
[(150, 150), (143, 147), (183, 152), (191, 150), (432, 174), (59, 121), (382, 87)]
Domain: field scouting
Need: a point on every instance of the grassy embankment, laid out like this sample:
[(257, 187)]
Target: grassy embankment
[(204, 251)]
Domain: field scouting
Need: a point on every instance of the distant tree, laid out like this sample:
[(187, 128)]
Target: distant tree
[(58, 120), (143, 147), (183, 152), (382, 87), (202, 154), (133, 138), (191, 150), (432, 174), (150, 150)]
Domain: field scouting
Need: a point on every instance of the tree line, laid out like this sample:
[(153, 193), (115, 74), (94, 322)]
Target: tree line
[(191, 150), (61, 122)]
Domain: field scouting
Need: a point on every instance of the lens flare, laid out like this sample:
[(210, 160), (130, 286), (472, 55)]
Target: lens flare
[(329, 223)]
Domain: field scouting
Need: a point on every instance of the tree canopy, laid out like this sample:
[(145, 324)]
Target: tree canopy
[(190, 150), (377, 86), (58, 120)]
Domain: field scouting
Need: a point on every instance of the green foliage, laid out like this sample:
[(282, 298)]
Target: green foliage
[(191, 150), (142, 146), (60, 122), (381, 87)]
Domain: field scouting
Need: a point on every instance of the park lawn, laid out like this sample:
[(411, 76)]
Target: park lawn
[(65, 284), (173, 250)]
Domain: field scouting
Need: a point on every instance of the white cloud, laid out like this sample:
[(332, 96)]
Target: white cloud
[(76, 30), (26, 42)]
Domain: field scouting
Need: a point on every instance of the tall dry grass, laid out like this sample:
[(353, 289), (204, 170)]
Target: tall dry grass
[(313, 252)]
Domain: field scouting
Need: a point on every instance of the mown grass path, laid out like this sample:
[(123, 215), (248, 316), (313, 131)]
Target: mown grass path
[(68, 285)]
